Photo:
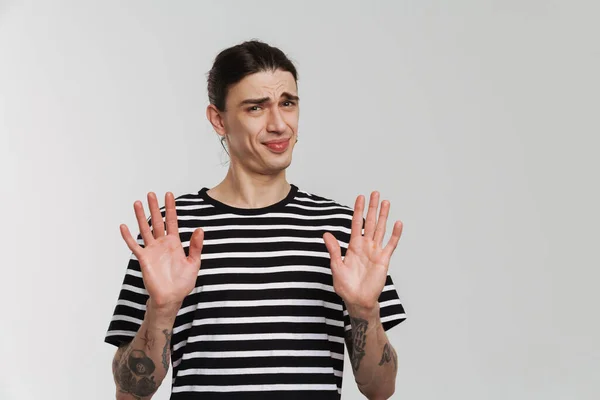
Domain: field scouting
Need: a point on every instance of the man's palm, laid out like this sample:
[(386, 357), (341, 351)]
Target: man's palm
[(169, 275), (360, 276)]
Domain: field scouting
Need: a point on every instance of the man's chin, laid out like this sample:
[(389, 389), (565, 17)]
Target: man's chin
[(279, 166)]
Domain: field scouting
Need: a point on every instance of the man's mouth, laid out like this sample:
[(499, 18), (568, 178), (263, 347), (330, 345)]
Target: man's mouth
[(278, 146)]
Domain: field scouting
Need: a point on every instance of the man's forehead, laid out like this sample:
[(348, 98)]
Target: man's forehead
[(265, 84)]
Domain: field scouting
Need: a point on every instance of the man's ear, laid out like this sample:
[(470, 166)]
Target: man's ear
[(216, 119)]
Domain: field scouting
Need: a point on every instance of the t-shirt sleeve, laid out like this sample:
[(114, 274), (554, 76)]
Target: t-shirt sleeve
[(391, 310), (131, 305)]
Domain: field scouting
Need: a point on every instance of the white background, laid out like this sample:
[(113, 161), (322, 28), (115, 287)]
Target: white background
[(478, 120)]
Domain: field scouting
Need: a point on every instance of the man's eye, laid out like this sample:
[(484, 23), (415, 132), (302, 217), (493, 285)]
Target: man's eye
[(254, 108), (288, 103)]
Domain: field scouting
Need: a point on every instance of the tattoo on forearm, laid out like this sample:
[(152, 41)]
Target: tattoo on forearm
[(148, 340), (348, 338), (359, 341), (133, 373), (115, 366), (389, 355), (166, 348)]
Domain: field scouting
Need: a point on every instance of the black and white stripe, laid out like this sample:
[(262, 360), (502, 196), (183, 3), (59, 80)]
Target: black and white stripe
[(263, 321)]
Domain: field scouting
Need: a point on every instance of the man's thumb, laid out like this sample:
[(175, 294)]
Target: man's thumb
[(196, 242)]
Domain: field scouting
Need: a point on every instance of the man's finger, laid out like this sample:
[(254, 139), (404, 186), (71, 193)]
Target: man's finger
[(196, 243), (158, 227), (138, 208), (372, 215), (393, 242), (171, 214), (333, 247), (382, 222), (129, 240), (357, 218)]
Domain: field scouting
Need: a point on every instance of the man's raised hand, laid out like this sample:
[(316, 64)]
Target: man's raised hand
[(169, 276)]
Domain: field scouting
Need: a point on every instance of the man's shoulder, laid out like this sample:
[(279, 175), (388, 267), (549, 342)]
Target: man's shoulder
[(324, 200), (189, 196)]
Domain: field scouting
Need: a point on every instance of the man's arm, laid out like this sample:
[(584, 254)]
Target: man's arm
[(169, 275), (140, 366), (374, 360)]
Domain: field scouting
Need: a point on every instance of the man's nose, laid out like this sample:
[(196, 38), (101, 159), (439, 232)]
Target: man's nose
[(276, 122)]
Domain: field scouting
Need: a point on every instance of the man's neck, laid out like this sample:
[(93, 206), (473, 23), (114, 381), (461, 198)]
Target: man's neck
[(250, 193)]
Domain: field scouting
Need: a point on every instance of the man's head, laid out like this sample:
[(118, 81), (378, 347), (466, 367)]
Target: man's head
[(253, 94)]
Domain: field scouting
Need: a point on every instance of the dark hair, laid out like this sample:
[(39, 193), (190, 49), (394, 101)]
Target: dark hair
[(235, 63)]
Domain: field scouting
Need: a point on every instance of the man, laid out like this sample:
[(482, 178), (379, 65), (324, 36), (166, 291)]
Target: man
[(251, 288)]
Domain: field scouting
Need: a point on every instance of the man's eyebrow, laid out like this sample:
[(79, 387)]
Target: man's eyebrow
[(262, 100), (290, 96), (254, 101)]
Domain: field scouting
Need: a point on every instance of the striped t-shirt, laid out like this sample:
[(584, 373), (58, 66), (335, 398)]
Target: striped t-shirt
[(263, 321)]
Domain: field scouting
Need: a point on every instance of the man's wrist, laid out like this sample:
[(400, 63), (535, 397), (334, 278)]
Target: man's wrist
[(366, 313), (163, 316)]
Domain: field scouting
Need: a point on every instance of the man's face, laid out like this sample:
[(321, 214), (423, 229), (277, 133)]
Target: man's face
[(261, 108)]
